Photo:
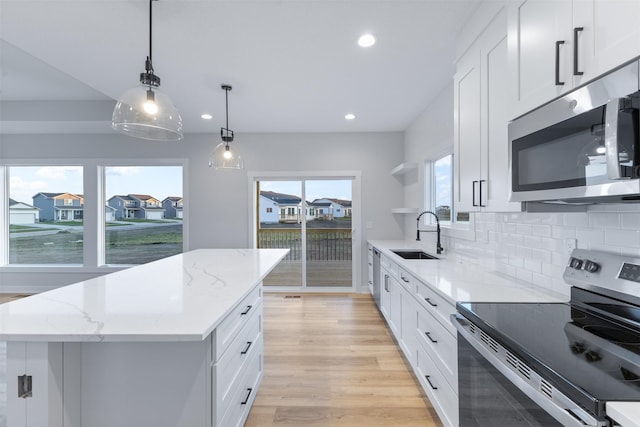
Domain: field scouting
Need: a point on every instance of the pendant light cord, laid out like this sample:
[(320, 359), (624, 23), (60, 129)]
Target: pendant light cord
[(149, 64), (226, 102)]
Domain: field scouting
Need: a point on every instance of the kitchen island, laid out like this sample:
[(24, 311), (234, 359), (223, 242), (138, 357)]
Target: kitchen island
[(175, 342)]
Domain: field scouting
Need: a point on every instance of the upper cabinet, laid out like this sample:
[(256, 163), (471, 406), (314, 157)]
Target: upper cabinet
[(481, 152), (557, 45)]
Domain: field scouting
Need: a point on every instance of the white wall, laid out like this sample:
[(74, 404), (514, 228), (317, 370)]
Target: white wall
[(216, 201)]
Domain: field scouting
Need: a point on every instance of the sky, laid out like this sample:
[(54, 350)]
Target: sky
[(157, 181), (442, 172), (316, 189)]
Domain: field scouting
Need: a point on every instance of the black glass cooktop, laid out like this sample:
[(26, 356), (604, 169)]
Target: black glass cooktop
[(589, 358)]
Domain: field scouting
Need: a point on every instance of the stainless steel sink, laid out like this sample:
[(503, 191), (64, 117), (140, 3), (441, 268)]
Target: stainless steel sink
[(411, 254)]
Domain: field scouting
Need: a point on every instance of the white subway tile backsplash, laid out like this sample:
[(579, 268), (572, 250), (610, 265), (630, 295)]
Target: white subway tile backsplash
[(559, 232), (532, 246), (630, 220), (626, 238), (604, 220), (541, 230), (533, 242), (588, 237), (576, 219), (524, 229)]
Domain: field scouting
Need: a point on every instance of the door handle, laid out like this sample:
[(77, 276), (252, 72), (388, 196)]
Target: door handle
[(558, 44), (576, 30), (480, 193), (431, 303), (428, 334), (428, 377)]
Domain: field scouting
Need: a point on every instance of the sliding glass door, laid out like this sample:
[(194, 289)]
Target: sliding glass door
[(312, 218)]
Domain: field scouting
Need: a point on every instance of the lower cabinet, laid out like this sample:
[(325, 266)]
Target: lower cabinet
[(419, 320)]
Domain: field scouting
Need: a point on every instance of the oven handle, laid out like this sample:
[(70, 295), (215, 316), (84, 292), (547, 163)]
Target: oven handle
[(566, 416), (611, 139)]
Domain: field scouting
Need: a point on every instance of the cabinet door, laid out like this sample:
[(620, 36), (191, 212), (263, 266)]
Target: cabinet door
[(466, 134), (493, 188), (395, 308), (534, 28), (610, 35), (409, 325), (385, 294)]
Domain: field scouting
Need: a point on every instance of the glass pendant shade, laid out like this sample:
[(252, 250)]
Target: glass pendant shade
[(223, 157), (146, 112)]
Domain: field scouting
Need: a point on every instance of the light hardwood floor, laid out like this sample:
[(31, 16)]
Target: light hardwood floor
[(331, 361)]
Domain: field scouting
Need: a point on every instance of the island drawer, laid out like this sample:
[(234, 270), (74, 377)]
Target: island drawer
[(231, 325), (228, 370), (243, 393)]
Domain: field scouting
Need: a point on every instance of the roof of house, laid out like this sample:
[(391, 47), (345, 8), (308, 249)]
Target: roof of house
[(281, 198), (142, 196), (24, 205), (342, 202), (173, 198), (54, 195), (120, 196)]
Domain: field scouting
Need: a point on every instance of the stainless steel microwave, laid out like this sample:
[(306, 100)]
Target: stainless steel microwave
[(581, 148)]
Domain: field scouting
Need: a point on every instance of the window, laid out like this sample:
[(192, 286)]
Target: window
[(269, 210), (442, 184), (142, 222), (46, 215)]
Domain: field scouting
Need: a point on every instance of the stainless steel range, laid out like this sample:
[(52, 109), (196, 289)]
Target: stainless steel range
[(554, 364)]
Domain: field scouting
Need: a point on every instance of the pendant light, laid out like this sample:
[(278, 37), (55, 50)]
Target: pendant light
[(144, 111), (223, 156)]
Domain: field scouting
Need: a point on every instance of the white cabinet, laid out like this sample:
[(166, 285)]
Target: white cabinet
[(370, 268), (481, 150), (557, 45), (418, 318)]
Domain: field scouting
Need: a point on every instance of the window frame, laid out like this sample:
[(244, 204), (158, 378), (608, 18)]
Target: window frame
[(94, 197), (464, 230)]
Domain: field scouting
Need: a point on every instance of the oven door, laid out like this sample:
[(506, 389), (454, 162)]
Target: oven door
[(491, 393)]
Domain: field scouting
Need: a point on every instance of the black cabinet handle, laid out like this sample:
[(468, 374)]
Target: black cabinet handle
[(576, 30), (432, 304), (249, 390), (246, 349), (473, 193), (480, 203), (428, 334), (404, 279), (246, 310), (429, 381), (558, 44)]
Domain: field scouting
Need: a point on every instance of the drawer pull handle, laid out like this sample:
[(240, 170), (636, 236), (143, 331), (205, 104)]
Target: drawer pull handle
[(246, 310), (404, 279), (429, 381), (249, 390), (428, 334), (246, 349), (432, 304)]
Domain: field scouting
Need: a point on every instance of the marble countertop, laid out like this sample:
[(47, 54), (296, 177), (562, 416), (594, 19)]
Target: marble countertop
[(180, 298), (458, 280)]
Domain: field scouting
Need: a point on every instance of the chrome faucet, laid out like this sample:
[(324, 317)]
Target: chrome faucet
[(439, 247)]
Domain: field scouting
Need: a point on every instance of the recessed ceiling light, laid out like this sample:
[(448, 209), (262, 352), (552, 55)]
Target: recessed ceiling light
[(366, 40), (350, 116), (207, 116)]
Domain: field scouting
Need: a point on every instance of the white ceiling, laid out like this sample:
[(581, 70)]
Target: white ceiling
[(294, 65)]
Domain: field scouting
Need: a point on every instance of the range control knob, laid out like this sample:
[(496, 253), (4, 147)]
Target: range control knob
[(591, 266), (575, 263)]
